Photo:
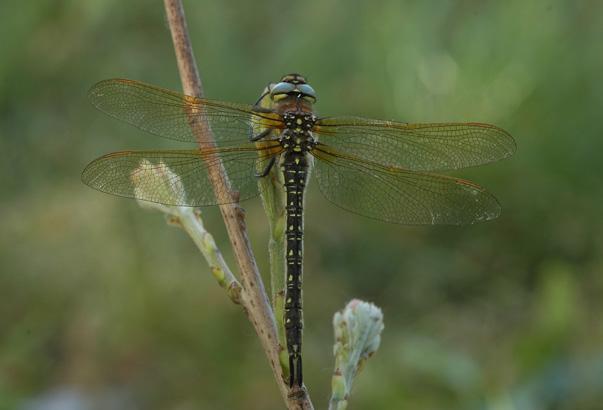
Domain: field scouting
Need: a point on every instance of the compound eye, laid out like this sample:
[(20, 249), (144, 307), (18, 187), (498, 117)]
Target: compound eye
[(306, 89), (282, 88)]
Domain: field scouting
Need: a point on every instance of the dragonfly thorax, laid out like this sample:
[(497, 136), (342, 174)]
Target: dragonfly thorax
[(297, 136)]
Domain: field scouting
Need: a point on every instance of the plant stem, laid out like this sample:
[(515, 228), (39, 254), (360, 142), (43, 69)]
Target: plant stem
[(275, 211), (190, 220), (253, 295), (274, 201)]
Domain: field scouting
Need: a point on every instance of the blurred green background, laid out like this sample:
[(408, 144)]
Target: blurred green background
[(104, 306)]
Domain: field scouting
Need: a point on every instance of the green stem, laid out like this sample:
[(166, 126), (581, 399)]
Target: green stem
[(190, 220), (273, 199)]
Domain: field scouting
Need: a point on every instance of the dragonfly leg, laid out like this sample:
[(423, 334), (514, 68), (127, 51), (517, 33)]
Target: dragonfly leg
[(261, 135), (266, 170), (265, 93)]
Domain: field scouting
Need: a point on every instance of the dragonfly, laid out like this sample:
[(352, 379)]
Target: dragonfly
[(385, 170)]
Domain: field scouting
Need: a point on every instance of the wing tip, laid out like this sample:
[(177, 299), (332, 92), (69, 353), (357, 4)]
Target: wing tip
[(98, 90), (102, 83), (90, 174)]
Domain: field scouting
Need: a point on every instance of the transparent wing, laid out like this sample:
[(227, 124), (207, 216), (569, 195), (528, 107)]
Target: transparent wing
[(175, 177), (394, 195), (170, 115), (416, 147)]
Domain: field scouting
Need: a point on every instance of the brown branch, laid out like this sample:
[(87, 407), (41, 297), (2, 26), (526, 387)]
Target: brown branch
[(253, 295)]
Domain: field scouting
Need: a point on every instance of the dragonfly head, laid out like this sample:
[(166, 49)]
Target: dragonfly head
[(292, 85)]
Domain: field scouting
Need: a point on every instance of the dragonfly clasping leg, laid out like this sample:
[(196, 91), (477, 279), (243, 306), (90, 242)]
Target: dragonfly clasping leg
[(266, 170), (261, 135)]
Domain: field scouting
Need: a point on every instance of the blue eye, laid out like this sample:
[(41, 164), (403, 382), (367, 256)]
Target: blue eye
[(307, 90), (282, 88)]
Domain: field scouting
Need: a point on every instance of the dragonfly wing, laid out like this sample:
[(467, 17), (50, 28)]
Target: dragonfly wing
[(416, 147), (172, 115), (175, 177), (398, 196)]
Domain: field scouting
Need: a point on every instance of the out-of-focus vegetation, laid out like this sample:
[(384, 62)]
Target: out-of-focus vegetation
[(104, 305)]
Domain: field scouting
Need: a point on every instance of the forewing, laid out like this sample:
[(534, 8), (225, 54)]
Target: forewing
[(416, 147), (175, 177), (172, 115), (398, 196)]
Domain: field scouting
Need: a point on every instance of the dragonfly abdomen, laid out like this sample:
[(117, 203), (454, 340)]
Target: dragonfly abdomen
[(295, 171)]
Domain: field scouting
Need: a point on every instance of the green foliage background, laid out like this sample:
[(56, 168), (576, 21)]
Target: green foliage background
[(102, 303)]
